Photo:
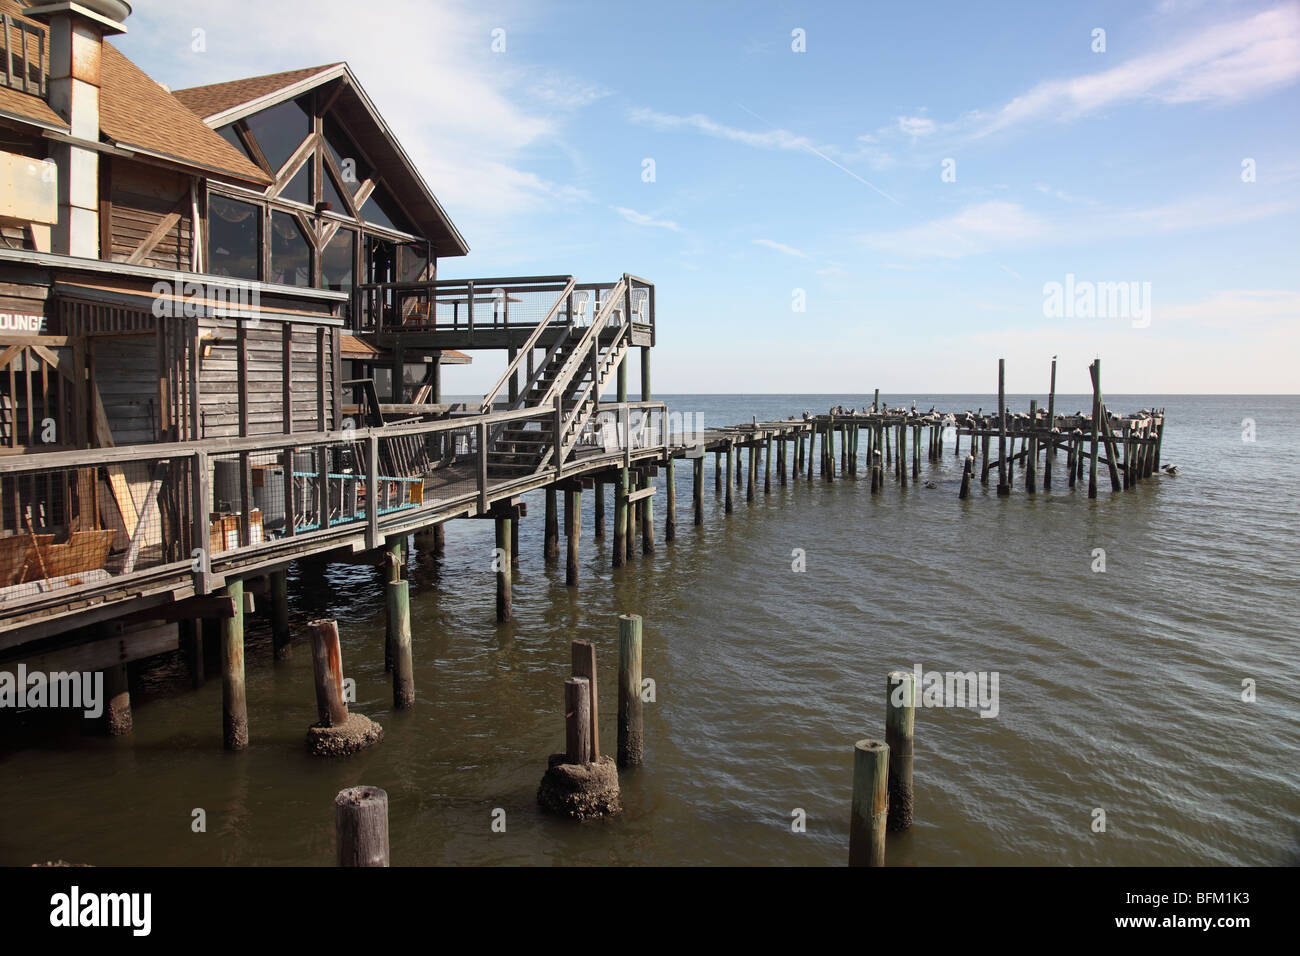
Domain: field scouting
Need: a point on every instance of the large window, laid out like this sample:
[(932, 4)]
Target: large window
[(290, 251), (336, 262), (234, 234), (280, 130)]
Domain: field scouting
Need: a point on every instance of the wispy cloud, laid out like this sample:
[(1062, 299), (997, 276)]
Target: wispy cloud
[(1225, 63), (771, 139), (1233, 308), (643, 219), (977, 228), (916, 125), (782, 247)]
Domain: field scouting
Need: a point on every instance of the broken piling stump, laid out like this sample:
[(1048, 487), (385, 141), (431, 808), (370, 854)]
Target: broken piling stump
[(336, 733)]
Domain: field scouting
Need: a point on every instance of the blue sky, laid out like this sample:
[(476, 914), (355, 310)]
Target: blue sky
[(822, 171)]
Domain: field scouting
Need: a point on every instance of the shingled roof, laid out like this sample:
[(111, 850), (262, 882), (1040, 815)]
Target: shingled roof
[(207, 101), (138, 114)]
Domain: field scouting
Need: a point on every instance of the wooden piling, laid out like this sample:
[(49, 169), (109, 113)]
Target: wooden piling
[(234, 705), (1031, 459), (278, 582), (551, 545), (634, 514), (504, 600), (630, 744), (1050, 454), (670, 494), (967, 473), (1096, 427), (361, 826), (647, 520), (902, 454), (731, 453), (327, 670), (870, 803), (753, 464), (118, 720), (577, 720), (573, 531), (393, 564), (1004, 489), (767, 465), (697, 489), (900, 724), (620, 519), (583, 660), (399, 613), (717, 472), (598, 510)]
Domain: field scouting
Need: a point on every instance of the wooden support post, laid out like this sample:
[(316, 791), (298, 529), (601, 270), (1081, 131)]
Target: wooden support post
[(192, 641), (598, 510), (583, 658), (1031, 458), (967, 473), (984, 450), (767, 465), (1004, 489), (916, 451), (1095, 372), (670, 514), (731, 453), (399, 616), (361, 826), (633, 516), (234, 705), (118, 721), (620, 519), (1072, 451), (717, 472), (753, 464), (551, 547), (900, 723), (870, 803), (393, 564), (647, 521), (504, 601), (327, 669), (902, 454), (439, 540), (877, 472), (1050, 454), (577, 720), (697, 489), (573, 528), (630, 744), (279, 585)]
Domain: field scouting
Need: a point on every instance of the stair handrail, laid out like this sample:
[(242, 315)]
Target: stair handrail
[(568, 431), (584, 344), (527, 347)]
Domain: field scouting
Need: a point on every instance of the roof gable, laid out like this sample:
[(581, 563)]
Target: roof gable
[(223, 103)]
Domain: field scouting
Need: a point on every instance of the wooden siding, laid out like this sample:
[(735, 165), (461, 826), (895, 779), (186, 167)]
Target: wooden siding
[(141, 198), (220, 390)]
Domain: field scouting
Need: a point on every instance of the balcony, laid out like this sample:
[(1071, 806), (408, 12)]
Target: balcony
[(495, 313)]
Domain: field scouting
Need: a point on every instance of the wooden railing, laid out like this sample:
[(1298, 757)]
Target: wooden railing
[(192, 512), (23, 47)]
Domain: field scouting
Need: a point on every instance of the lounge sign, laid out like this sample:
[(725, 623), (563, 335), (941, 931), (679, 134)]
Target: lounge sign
[(28, 323)]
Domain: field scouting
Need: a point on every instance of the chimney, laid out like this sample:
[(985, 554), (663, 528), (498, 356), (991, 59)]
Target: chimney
[(77, 31)]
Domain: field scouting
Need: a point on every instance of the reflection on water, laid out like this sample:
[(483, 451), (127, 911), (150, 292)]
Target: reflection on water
[(1119, 691)]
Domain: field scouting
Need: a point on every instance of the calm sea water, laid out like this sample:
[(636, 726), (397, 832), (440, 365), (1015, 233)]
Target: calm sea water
[(1119, 691)]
